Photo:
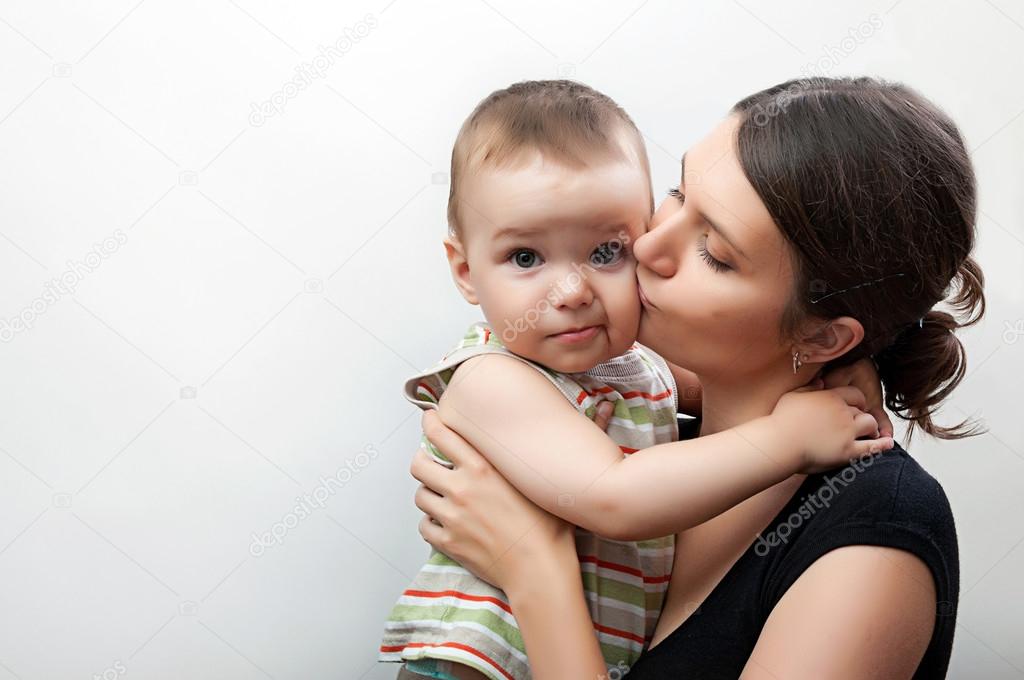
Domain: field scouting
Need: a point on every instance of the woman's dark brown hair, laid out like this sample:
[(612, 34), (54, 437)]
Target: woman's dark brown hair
[(872, 186)]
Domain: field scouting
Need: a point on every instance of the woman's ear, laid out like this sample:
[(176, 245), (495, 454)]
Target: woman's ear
[(456, 252), (831, 340)]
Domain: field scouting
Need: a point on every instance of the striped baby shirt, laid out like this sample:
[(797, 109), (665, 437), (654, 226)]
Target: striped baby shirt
[(449, 614)]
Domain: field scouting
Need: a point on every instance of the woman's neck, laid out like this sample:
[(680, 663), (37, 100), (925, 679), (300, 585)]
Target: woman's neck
[(726, 404)]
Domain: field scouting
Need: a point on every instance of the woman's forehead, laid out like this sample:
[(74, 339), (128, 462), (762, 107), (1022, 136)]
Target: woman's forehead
[(715, 182)]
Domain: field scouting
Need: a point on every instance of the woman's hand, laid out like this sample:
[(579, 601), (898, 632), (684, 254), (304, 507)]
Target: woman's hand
[(476, 517)]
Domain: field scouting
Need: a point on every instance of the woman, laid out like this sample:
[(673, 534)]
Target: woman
[(820, 222)]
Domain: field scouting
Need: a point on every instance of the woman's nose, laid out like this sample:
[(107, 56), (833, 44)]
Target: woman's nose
[(657, 251)]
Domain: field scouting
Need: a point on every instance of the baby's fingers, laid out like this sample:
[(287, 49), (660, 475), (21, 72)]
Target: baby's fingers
[(884, 424), (864, 424), (869, 447)]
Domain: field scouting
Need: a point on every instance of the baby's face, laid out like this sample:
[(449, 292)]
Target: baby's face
[(549, 250)]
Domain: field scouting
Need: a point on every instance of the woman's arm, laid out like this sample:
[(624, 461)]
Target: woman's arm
[(568, 466), (479, 519), (859, 612)]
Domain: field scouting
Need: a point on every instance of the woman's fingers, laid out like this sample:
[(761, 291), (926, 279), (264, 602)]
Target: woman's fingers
[(430, 531), (604, 414), (430, 473), (429, 502), (449, 442)]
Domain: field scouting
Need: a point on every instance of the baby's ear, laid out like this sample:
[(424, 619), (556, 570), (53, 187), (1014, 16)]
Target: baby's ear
[(456, 252)]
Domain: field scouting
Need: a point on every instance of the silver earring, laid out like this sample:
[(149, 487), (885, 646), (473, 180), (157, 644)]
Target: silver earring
[(796, 362)]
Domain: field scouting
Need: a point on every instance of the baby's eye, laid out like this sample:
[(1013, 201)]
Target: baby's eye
[(524, 257), (607, 254)]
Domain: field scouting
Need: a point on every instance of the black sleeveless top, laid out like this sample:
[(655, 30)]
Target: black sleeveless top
[(887, 500)]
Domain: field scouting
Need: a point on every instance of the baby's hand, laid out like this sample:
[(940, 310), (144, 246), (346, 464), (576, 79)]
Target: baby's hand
[(825, 425), (863, 375), (603, 415)]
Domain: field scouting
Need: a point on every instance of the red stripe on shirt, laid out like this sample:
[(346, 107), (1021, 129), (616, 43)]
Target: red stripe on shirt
[(591, 559), (426, 387), (619, 633), (461, 596), (625, 395)]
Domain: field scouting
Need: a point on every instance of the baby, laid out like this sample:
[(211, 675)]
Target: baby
[(549, 187)]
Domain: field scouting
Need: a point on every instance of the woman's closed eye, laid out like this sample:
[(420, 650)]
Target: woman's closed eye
[(702, 245), (716, 264)]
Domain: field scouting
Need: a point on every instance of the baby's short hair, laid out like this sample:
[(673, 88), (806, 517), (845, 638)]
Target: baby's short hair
[(565, 121)]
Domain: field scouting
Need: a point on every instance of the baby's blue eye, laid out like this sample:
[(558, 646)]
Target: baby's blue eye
[(606, 254), (524, 258)]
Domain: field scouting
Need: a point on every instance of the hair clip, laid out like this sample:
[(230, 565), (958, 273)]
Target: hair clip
[(859, 285)]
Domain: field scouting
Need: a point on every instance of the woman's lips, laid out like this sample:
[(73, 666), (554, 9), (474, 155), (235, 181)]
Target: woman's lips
[(581, 335)]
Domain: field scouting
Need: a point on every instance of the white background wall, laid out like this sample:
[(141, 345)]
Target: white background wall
[(269, 280)]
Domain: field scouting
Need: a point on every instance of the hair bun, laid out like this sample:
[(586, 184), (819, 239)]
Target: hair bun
[(927, 361)]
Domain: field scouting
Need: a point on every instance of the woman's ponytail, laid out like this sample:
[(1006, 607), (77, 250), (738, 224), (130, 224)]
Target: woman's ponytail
[(927, 361)]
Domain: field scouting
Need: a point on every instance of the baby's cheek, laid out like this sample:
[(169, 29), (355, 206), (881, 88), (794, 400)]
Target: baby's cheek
[(626, 315)]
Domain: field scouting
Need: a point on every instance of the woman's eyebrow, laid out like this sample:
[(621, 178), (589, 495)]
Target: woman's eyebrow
[(718, 230)]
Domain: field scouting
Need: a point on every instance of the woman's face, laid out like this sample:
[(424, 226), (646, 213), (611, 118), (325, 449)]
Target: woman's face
[(714, 271)]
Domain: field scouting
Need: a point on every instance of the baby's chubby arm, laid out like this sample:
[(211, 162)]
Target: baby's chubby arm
[(862, 374), (567, 465)]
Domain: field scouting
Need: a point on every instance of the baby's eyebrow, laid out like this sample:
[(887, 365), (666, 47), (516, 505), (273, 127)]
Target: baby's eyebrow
[(518, 232), (511, 231)]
